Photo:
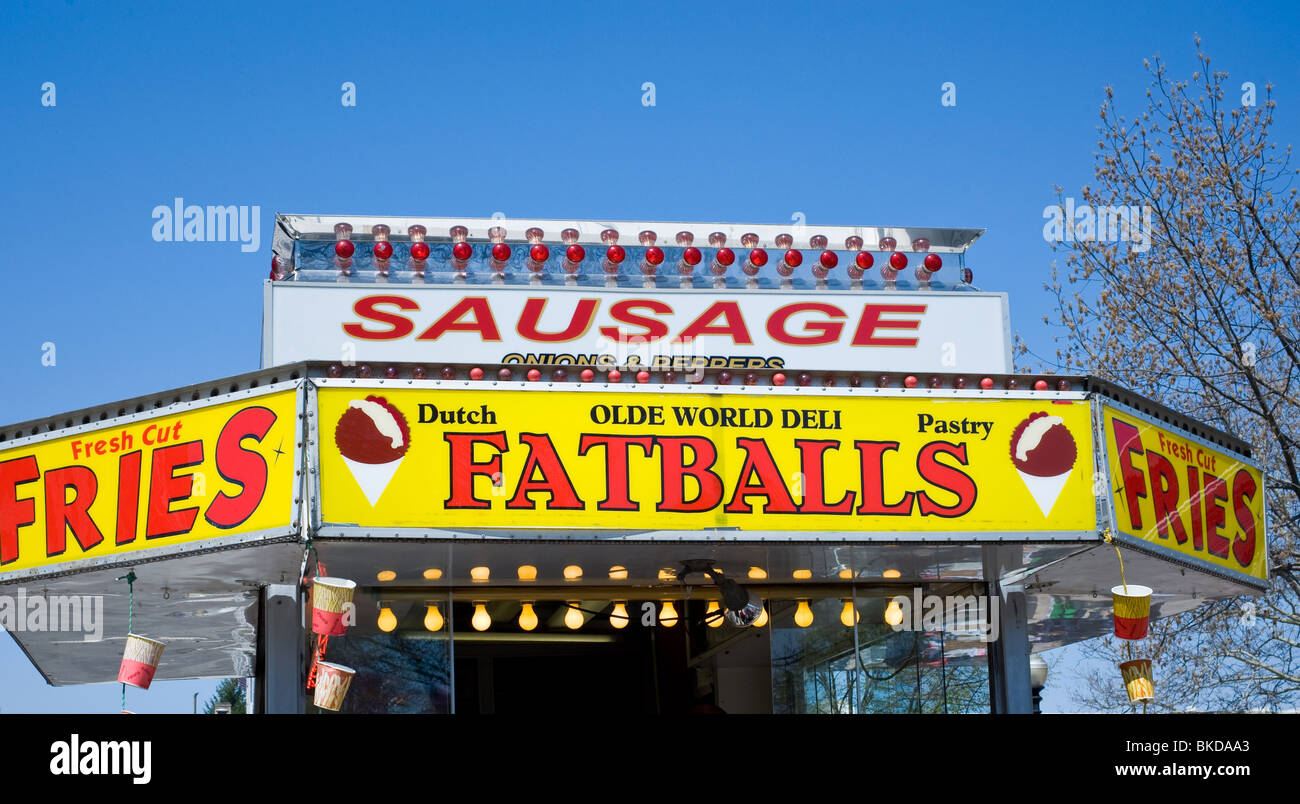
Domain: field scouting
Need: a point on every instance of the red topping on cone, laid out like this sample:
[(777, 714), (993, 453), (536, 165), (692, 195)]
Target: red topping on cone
[(366, 433)]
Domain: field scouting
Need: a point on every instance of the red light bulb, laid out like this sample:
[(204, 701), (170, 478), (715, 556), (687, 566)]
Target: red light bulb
[(575, 253), (1040, 385), (757, 259), (503, 374), (778, 379), (344, 249), (476, 373), (909, 381), (614, 257), (692, 256), (792, 259), (419, 373), (615, 375), (643, 377), (534, 375), (587, 375), (420, 251), (462, 251), (986, 383), (888, 243), (932, 262)]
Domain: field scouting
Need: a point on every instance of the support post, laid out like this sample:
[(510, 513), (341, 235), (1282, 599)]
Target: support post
[(279, 643), (1009, 679)]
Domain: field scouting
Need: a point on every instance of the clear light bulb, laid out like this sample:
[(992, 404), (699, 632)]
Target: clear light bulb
[(528, 572), (618, 617), (762, 618), (528, 617), (573, 573), (803, 615), (573, 617), (849, 615), (433, 618), (480, 574), (387, 620), (714, 615), (893, 613), (757, 573), (668, 615), (481, 621), (618, 572)]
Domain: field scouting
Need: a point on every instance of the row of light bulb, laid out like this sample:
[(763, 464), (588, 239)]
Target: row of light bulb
[(618, 572), (574, 619)]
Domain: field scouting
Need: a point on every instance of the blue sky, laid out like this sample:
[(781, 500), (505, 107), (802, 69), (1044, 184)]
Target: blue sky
[(761, 111)]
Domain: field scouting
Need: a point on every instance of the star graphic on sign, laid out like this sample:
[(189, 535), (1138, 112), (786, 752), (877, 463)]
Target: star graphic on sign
[(278, 452)]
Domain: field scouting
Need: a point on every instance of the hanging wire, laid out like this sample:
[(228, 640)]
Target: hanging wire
[(129, 577)]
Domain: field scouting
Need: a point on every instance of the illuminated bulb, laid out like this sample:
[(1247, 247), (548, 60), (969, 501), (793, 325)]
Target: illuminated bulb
[(480, 573), (849, 615), (528, 617), (891, 574), (433, 618), (618, 617), (387, 620), (668, 615), (386, 575), (618, 572), (762, 618), (528, 572), (667, 575), (893, 613), (803, 615), (573, 573), (846, 573), (481, 621), (713, 615), (803, 574), (757, 573), (573, 617), (432, 574)]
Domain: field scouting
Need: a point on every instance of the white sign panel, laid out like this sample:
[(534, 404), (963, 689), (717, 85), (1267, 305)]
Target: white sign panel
[(919, 331)]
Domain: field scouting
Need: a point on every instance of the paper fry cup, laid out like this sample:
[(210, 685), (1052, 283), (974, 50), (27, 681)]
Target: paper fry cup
[(139, 661), (329, 599), (1139, 682), (332, 682), (1132, 611)]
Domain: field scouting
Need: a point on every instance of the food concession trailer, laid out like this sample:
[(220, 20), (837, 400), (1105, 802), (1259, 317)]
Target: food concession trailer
[(622, 467)]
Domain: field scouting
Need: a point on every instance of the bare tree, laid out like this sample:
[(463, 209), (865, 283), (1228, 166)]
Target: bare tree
[(1185, 287)]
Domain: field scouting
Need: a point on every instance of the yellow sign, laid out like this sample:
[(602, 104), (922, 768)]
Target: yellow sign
[(172, 479), (1185, 496), (635, 461)]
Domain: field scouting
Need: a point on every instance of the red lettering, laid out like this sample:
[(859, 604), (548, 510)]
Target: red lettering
[(464, 468), (1164, 496), (948, 478), (1128, 442), (871, 321), (399, 326), (621, 312), (734, 324), (812, 462), (481, 321), (554, 480), (62, 515), (15, 512), (617, 450), (1217, 492), (165, 487), (1243, 491), (873, 482), (128, 497), (243, 467), (771, 486), (672, 451), (1194, 503), (828, 331), (583, 314)]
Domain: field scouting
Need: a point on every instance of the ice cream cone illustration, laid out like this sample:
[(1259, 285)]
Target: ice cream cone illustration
[(1044, 453), (372, 436)]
